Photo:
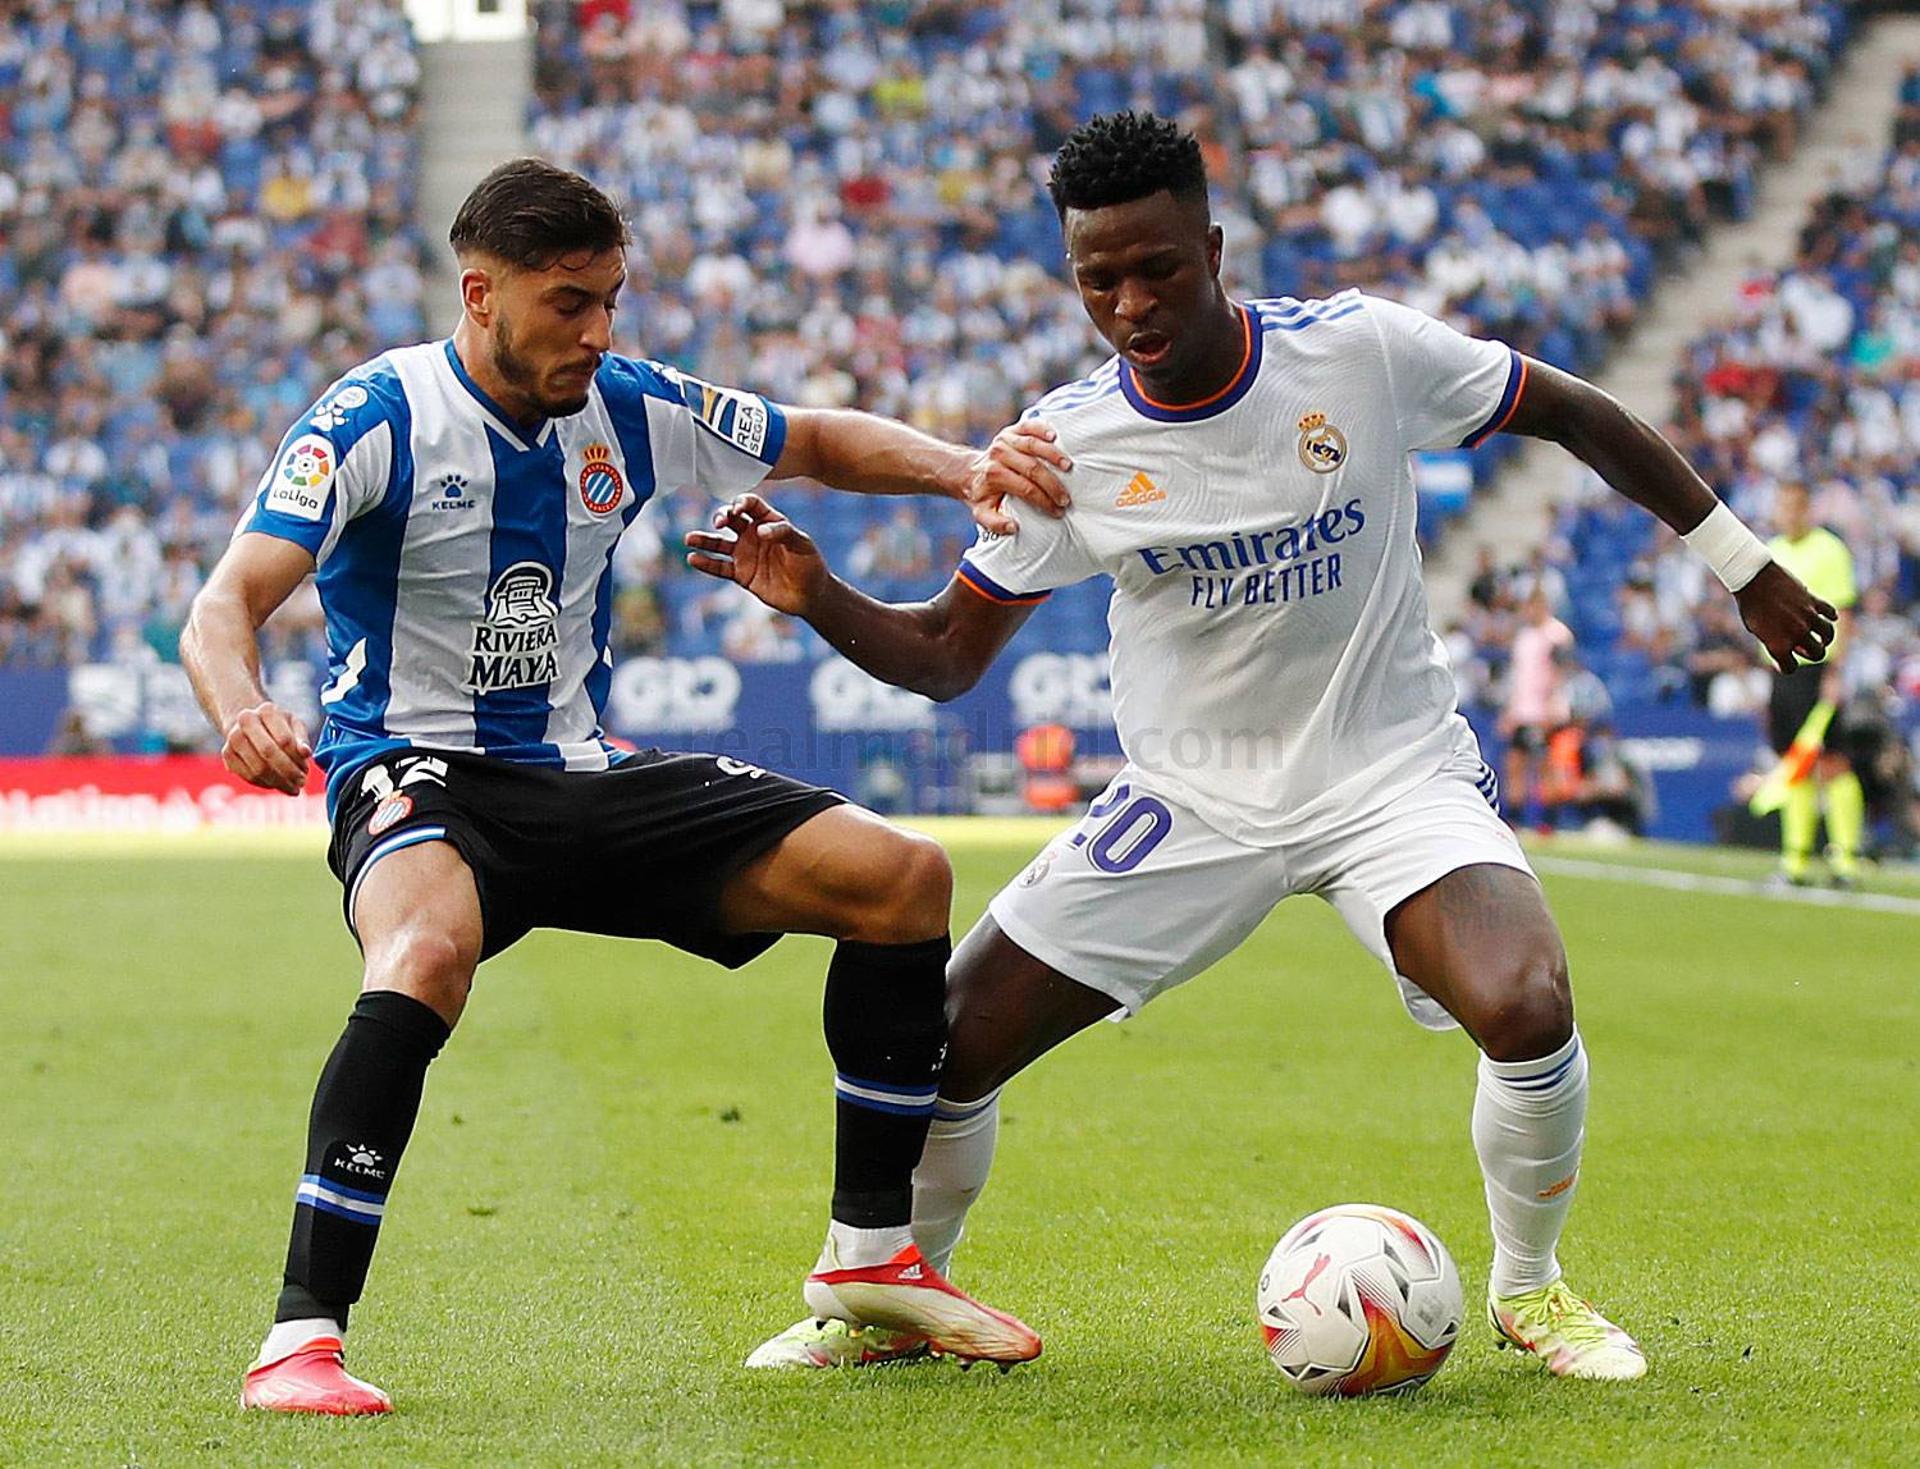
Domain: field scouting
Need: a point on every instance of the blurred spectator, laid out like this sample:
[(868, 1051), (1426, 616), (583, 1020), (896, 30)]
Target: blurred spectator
[(757, 634), (836, 203), (895, 549), (74, 738), (842, 203), (1536, 699), (205, 214)]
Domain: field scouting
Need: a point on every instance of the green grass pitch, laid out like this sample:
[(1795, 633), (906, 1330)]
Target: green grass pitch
[(621, 1168)]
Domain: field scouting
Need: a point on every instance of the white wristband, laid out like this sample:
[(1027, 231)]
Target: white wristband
[(1723, 541)]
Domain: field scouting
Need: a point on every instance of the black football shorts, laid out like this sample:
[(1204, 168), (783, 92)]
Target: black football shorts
[(640, 850)]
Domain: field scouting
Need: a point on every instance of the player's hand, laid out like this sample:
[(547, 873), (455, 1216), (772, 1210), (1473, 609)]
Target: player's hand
[(1023, 461), (1788, 619), (267, 747), (755, 546)]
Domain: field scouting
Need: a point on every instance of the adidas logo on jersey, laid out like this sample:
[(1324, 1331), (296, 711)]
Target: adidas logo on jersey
[(1140, 490)]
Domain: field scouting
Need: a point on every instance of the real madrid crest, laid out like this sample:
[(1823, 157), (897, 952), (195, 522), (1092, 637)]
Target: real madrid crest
[(1323, 448), (600, 484)]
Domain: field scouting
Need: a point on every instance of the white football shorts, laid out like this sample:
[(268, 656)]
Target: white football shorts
[(1143, 894)]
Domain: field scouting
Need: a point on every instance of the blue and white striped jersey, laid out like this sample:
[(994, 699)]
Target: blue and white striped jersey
[(465, 562)]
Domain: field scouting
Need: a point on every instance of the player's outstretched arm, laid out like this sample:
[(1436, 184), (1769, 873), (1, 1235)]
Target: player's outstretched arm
[(876, 456), (260, 742), (1636, 460), (938, 648)]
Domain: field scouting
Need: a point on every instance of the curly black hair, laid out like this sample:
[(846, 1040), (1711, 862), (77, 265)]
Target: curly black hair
[(1118, 157)]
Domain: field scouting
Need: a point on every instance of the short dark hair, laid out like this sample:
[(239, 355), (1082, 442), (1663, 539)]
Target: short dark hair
[(1118, 157), (529, 213)]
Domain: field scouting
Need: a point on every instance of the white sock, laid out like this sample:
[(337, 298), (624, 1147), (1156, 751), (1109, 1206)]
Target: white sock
[(952, 1171), (1529, 1121), (849, 1248), (287, 1337)]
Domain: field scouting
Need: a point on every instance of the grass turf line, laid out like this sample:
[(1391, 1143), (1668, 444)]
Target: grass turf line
[(621, 1171)]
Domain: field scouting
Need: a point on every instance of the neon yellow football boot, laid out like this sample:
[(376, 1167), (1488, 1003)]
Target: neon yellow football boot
[(831, 1343), (1566, 1333)]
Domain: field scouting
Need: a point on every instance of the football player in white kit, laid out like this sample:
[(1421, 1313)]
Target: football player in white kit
[(1240, 470)]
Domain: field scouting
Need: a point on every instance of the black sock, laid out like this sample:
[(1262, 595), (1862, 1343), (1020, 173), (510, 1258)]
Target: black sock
[(886, 1023), (363, 1114)]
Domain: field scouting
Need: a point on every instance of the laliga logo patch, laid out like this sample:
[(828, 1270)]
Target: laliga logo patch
[(389, 814), (308, 463), (600, 484), (1323, 448), (300, 484)]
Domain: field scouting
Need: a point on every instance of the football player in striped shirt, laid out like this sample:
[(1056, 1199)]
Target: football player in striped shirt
[(459, 503), (1240, 470)]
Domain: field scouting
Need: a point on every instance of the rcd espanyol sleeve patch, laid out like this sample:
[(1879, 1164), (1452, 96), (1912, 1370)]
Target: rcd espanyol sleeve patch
[(300, 481)]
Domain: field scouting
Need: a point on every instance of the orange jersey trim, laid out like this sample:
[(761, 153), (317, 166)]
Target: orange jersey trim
[(1246, 359), (995, 594)]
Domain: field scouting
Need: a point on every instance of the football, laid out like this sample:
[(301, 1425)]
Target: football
[(1359, 1299)]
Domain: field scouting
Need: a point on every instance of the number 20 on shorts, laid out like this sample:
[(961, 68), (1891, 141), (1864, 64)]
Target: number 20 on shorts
[(1129, 829)]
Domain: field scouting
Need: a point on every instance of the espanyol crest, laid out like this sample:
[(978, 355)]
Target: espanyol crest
[(600, 483)]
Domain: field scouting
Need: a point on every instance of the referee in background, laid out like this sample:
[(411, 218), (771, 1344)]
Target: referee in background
[(1821, 560)]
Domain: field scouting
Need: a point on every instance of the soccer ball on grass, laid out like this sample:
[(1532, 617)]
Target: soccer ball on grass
[(1359, 1299)]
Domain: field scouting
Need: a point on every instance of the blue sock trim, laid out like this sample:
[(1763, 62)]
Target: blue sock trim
[(1554, 1068), (345, 1203), (886, 1096)]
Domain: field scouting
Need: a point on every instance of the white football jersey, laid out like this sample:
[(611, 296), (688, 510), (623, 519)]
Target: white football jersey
[(1272, 663)]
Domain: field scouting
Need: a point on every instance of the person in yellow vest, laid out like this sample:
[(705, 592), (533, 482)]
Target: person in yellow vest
[(1821, 560)]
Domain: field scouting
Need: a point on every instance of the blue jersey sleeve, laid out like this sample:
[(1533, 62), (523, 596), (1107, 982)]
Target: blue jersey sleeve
[(718, 440), (336, 462)]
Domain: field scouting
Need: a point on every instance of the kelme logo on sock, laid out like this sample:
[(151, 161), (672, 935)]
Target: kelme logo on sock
[(359, 1161)]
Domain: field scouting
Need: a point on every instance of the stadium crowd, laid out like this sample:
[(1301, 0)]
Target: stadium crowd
[(1813, 377), (836, 202), (842, 203), (205, 215)]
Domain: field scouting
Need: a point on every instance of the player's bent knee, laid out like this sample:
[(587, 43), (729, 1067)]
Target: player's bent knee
[(911, 898), (977, 1059), (433, 967), (1532, 1012), (969, 1080)]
